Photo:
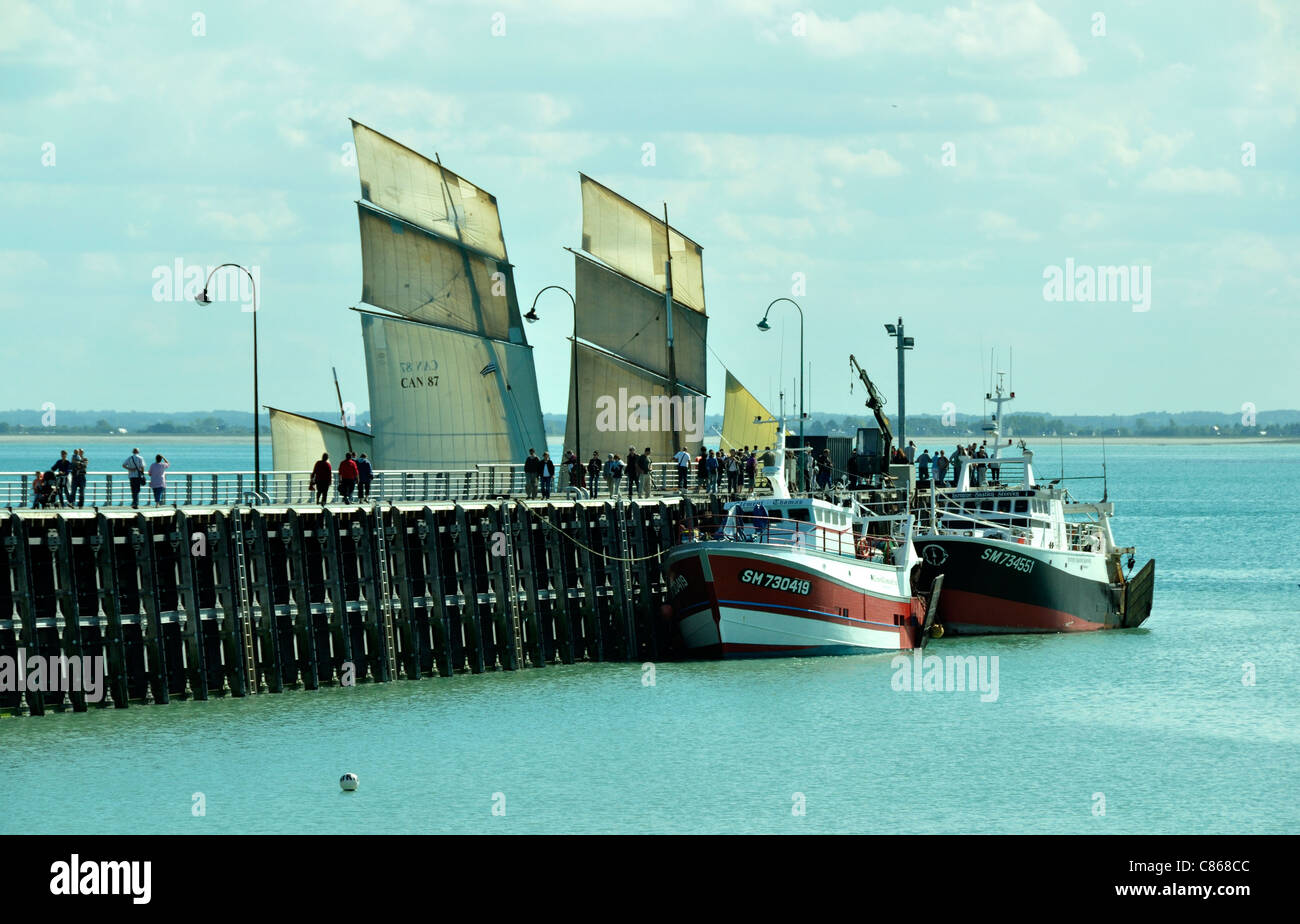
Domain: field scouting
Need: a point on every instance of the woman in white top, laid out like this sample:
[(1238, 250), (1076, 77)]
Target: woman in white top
[(158, 478)]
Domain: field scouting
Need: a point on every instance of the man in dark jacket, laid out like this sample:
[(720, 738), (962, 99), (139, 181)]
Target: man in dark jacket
[(532, 472), (593, 474), (546, 472), (633, 471), (321, 478), (365, 475)]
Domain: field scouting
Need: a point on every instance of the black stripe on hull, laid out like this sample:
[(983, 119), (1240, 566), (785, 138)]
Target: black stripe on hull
[(986, 595)]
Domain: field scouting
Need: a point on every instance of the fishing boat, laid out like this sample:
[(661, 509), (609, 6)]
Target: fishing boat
[(801, 575), (1018, 556)]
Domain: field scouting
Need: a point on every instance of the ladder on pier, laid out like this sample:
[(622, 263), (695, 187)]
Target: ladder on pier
[(385, 590), (629, 605), (512, 588), (245, 602)]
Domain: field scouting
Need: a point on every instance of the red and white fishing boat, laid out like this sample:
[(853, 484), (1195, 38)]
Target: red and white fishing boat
[(786, 575)]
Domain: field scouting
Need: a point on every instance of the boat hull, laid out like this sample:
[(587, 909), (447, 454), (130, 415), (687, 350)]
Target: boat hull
[(993, 586), (740, 600)]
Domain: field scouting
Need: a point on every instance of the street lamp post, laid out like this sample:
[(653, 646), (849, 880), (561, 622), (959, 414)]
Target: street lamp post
[(904, 344), (203, 299), (764, 326), (532, 317)]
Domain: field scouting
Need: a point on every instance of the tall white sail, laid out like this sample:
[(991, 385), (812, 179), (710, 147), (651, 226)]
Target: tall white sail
[(631, 321), (297, 442), (442, 398), (420, 275), (411, 186), (615, 404), (639, 359), (637, 244)]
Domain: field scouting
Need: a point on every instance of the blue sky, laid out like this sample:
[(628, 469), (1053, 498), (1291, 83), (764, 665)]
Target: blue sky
[(929, 160)]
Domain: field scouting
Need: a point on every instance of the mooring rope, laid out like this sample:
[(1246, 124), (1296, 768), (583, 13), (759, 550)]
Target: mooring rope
[(549, 525)]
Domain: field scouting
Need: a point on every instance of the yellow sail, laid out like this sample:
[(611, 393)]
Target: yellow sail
[(739, 411)]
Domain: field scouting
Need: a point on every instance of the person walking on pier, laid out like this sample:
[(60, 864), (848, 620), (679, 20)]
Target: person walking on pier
[(593, 473), (546, 474), (532, 472), (683, 469), (347, 478), (79, 465), (365, 475), (751, 468), (62, 468), (633, 471), (577, 474), (134, 466), (158, 479), (322, 475), (614, 475), (923, 469), (643, 463), (711, 472), (940, 469)]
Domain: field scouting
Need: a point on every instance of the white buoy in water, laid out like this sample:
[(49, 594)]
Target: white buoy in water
[(348, 782)]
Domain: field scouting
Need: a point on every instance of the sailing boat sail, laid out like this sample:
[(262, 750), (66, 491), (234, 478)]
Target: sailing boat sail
[(450, 373), (451, 376), (638, 373), (740, 411), (297, 442)]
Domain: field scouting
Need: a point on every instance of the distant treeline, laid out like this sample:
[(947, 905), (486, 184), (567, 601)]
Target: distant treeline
[(183, 423)]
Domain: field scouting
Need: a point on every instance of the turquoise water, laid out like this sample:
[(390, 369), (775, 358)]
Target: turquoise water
[(1156, 719)]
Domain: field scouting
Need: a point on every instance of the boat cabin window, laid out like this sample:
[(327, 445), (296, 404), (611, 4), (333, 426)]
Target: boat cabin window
[(798, 513), (1004, 506), (1022, 506)]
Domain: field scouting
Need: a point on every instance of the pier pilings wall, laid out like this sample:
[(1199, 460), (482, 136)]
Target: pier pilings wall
[(199, 602)]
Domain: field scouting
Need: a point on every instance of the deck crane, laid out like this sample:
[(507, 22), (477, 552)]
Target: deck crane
[(876, 402)]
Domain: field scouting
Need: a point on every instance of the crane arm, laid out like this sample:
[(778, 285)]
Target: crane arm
[(875, 402)]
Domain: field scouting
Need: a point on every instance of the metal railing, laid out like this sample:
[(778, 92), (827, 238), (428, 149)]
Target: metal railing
[(798, 533), (201, 489)]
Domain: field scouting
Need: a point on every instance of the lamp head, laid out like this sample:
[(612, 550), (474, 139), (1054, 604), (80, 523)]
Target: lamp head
[(763, 325), (202, 298), (532, 317)]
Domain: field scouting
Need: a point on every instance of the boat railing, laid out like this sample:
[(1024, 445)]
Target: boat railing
[(772, 530)]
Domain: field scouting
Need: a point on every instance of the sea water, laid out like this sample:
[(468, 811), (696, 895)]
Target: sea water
[(1189, 724)]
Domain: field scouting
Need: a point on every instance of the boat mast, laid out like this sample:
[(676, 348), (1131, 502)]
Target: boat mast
[(673, 409), (343, 415)]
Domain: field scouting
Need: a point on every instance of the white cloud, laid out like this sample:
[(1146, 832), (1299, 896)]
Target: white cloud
[(1191, 180), (1000, 226), (873, 162), (1019, 35)]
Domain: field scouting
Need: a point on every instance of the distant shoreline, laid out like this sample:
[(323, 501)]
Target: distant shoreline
[(941, 442)]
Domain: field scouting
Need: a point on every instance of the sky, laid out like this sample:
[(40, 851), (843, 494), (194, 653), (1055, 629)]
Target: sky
[(939, 162)]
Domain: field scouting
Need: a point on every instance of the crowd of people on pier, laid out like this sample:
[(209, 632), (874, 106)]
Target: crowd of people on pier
[(933, 467), (63, 484), (730, 472)]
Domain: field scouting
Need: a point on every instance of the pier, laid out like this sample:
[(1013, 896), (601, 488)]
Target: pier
[(192, 602)]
